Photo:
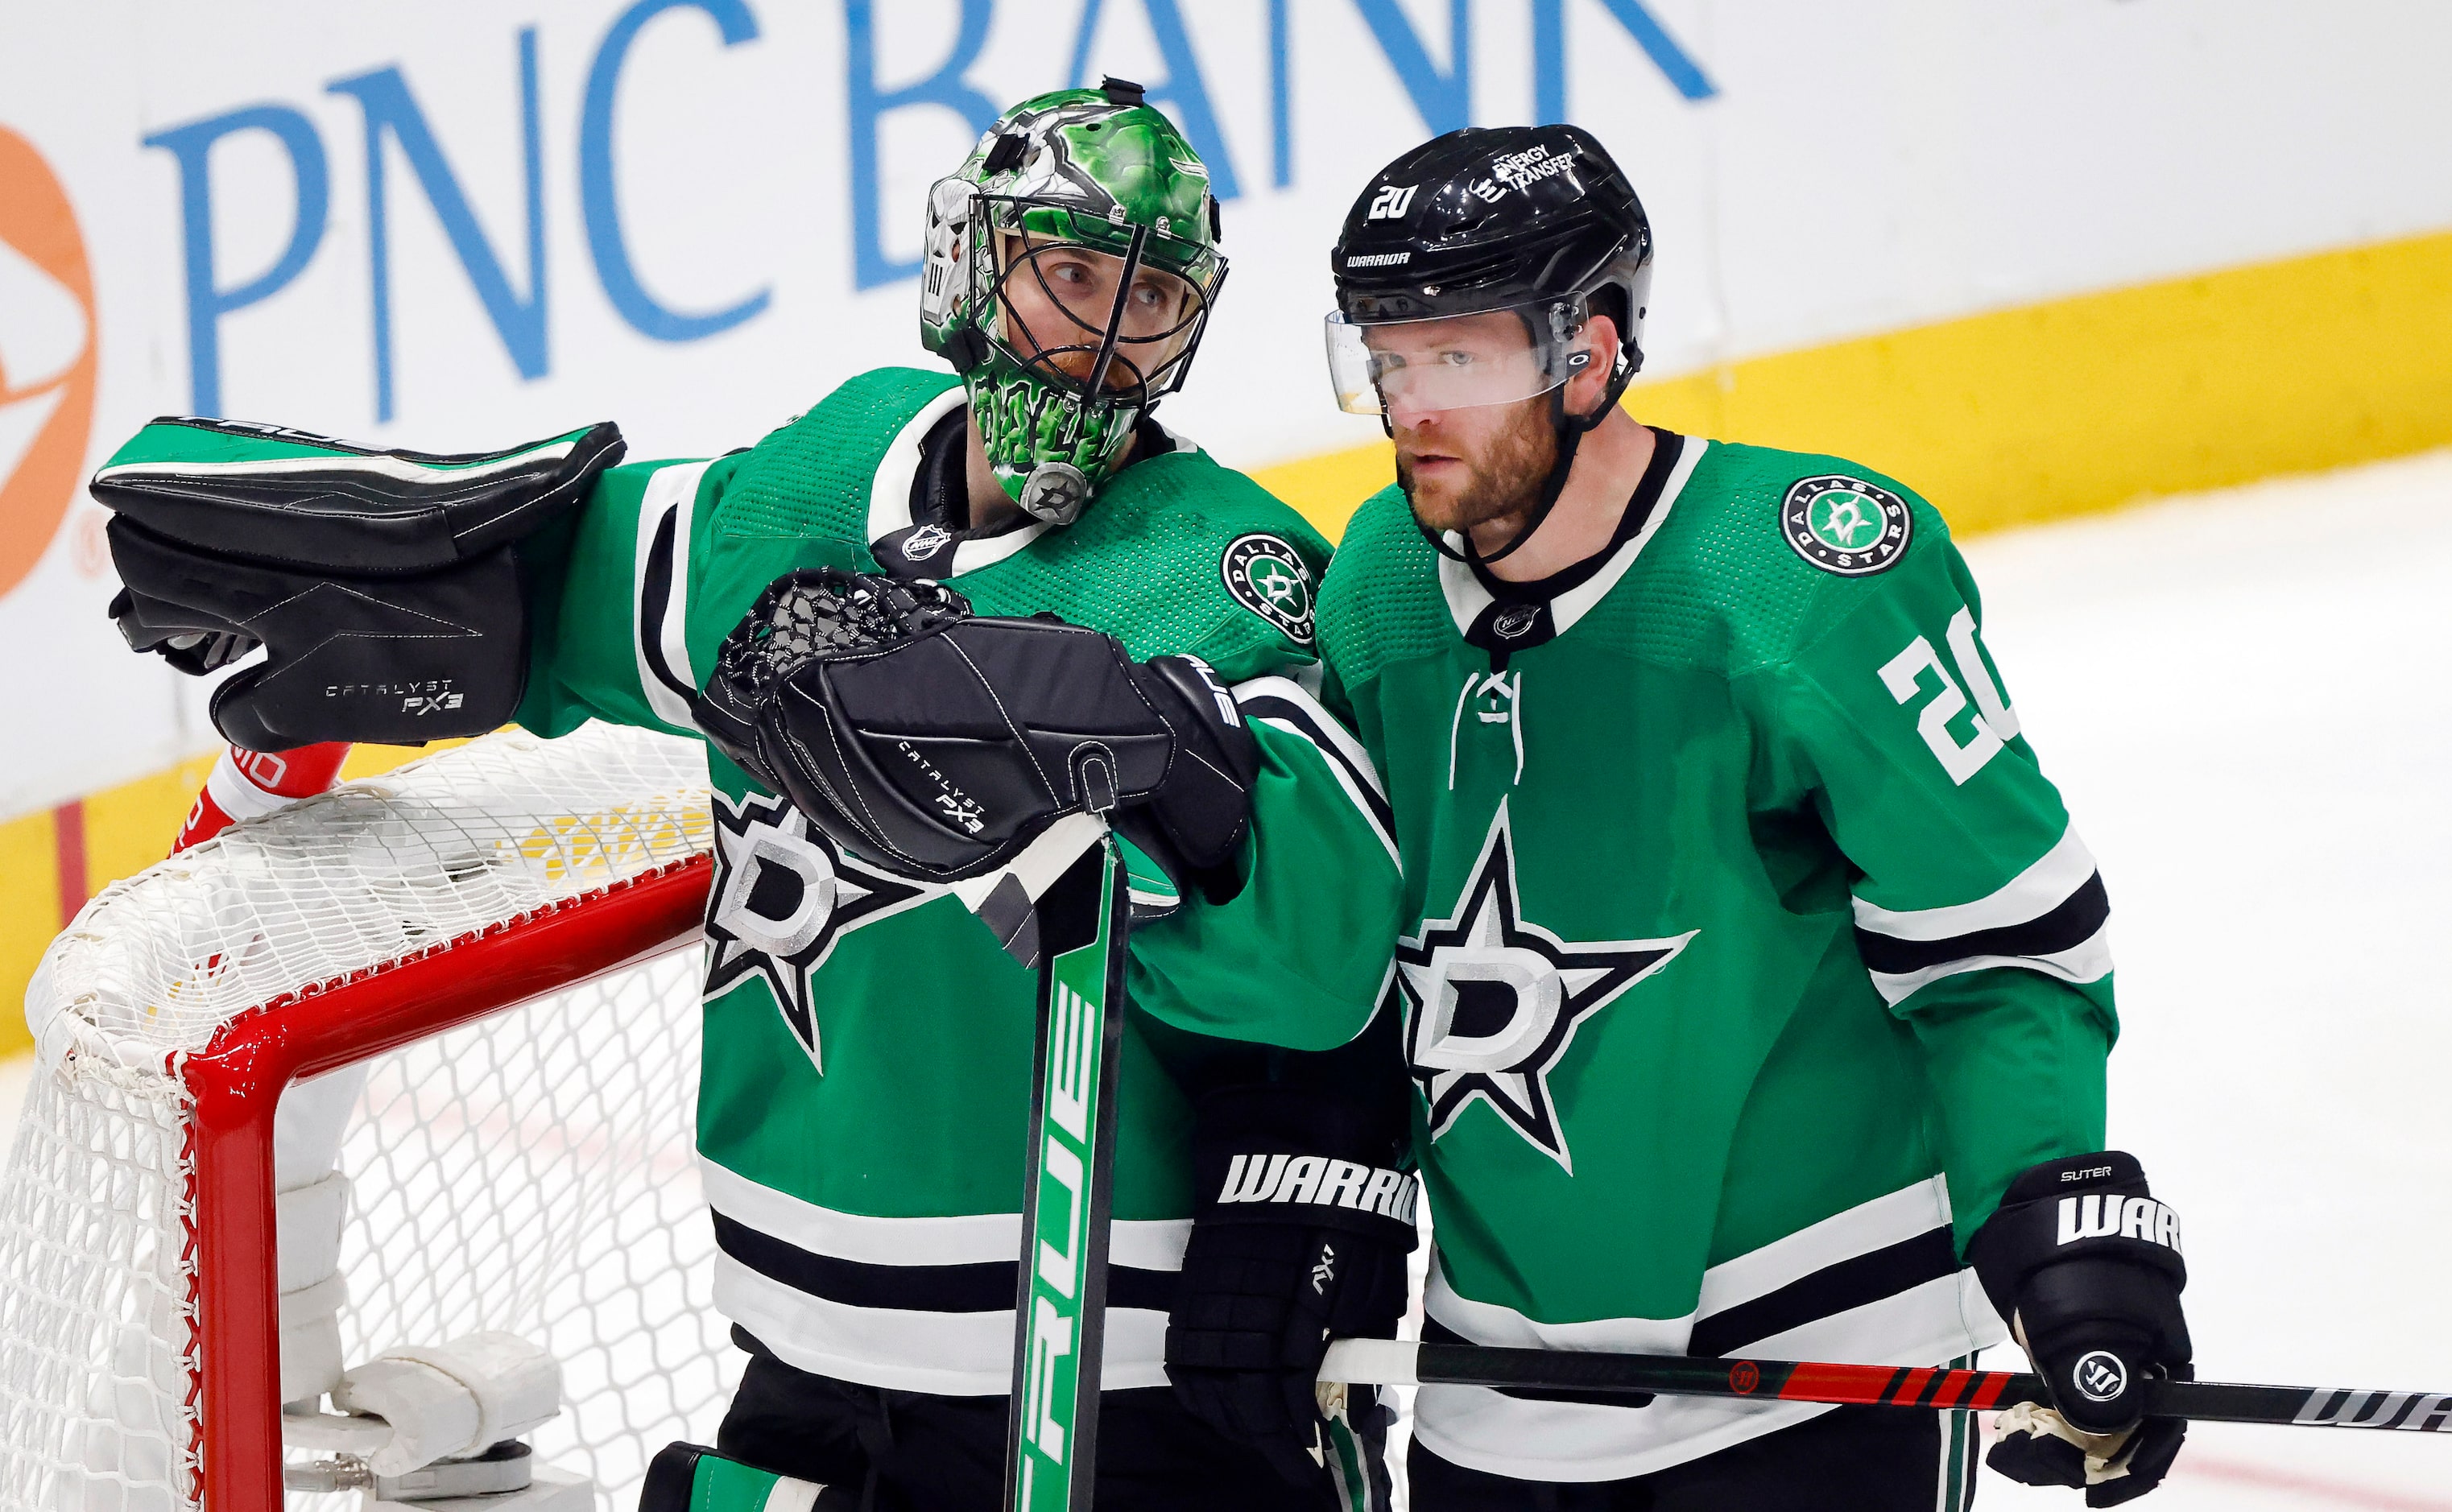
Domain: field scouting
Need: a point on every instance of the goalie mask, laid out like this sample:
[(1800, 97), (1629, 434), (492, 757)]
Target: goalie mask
[(1071, 264)]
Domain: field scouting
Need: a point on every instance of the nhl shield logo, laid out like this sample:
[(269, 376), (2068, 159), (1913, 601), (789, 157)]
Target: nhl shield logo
[(1268, 576), (1845, 526)]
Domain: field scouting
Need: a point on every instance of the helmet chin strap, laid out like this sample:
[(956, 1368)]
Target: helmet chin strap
[(1570, 431)]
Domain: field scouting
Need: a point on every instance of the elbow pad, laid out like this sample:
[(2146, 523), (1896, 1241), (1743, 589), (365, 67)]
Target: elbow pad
[(383, 586)]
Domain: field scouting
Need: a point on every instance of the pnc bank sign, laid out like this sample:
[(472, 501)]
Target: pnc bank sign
[(47, 356), (506, 265)]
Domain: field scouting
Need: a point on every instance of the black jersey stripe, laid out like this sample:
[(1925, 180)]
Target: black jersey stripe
[(655, 603), (1434, 1331), (2069, 924), (1855, 1282), (1307, 722), (1852, 1283), (985, 1286)]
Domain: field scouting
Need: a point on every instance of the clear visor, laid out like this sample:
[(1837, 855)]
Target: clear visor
[(1059, 304), (1454, 361)]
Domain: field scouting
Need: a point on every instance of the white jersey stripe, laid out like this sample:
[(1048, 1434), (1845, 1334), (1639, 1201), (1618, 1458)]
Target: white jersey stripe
[(1861, 1230), (1926, 1322), (2031, 894), (660, 630), (962, 1354), (1282, 704), (2089, 961), (970, 1239), (1490, 1431)]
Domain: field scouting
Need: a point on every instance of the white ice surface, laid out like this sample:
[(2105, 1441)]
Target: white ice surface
[(2244, 697)]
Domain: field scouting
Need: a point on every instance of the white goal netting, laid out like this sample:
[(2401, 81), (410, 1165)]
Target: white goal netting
[(529, 1171)]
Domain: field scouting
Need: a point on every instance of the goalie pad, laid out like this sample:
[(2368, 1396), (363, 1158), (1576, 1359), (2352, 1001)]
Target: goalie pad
[(385, 586), (452, 1398), (307, 1230)]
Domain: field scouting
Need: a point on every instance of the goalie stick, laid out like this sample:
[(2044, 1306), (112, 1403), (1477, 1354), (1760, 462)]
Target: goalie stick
[(1061, 1295), (1386, 1362)]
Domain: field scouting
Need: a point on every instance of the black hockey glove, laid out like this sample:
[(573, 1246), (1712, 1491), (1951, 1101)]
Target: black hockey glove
[(1301, 1232), (2085, 1264), (383, 586), (939, 745)]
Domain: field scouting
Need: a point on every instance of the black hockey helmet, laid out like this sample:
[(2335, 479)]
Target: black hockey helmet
[(1539, 221), (1490, 218)]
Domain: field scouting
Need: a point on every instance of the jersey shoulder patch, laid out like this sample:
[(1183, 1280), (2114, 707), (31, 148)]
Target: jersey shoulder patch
[(1265, 573), (1761, 552), (1845, 525)]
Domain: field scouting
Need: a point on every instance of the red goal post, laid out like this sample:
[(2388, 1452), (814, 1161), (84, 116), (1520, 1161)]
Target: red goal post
[(503, 935)]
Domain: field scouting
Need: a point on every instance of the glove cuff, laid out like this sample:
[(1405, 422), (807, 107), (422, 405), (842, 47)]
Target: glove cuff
[(1275, 1154), (1204, 803), (2093, 1206)]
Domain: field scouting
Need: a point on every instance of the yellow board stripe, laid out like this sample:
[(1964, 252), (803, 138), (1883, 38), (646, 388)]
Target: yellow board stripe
[(2021, 415), (2082, 403), (126, 830)]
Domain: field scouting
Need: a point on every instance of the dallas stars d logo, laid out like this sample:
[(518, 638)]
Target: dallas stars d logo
[(1493, 1000), (781, 900)]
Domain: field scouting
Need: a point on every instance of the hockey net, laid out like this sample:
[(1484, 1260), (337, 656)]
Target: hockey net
[(502, 937)]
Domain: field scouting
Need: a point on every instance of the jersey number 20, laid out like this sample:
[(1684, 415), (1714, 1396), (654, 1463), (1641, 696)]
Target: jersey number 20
[(1995, 721)]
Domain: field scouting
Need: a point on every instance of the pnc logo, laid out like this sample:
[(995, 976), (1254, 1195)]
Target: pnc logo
[(47, 357)]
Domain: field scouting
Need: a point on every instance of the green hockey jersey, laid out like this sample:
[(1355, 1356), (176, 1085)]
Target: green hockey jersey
[(1749, 954), (868, 1045)]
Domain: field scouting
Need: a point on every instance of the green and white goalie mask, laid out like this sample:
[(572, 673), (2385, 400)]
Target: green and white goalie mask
[(1071, 266)]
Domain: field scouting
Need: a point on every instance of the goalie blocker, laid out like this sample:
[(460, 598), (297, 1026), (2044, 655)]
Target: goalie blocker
[(383, 586)]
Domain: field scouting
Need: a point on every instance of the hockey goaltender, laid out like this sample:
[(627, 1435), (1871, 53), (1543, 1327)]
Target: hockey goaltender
[(868, 1045)]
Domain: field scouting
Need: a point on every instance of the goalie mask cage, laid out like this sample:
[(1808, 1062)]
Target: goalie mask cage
[(502, 936)]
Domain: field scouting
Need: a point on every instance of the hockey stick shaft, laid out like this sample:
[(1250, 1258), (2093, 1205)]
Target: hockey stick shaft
[(1385, 1361), (1060, 1318)]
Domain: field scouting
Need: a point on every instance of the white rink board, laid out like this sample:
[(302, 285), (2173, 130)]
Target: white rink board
[(756, 170)]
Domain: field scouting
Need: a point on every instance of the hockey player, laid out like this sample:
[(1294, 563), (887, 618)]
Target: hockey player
[(868, 1045), (1755, 981)]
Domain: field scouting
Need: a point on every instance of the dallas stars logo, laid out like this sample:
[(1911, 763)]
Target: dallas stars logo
[(782, 898), (1846, 525), (1493, 1000), (1267, 577)]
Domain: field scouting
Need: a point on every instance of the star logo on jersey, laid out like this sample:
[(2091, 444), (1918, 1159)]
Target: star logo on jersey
[(781, 898), (1270, 579), (1845, 526), (1492, 1000)]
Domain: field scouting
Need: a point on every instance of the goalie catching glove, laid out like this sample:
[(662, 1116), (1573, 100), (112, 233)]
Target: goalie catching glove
[(2085, 1264), (383, 586), (939, 744)]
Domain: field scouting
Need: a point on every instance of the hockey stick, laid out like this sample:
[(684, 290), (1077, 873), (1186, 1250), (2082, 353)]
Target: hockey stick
[(1388, 1361), (1060, 1296)]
